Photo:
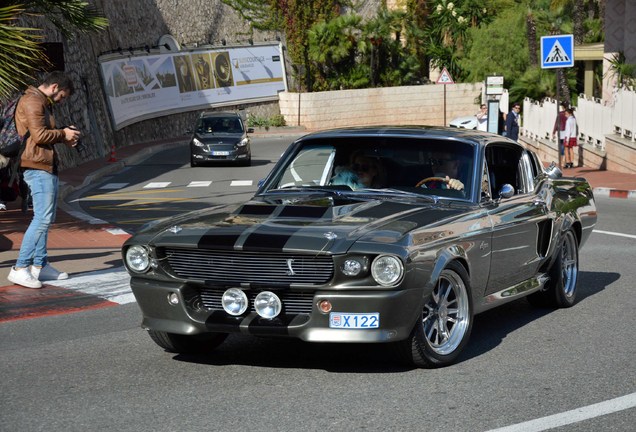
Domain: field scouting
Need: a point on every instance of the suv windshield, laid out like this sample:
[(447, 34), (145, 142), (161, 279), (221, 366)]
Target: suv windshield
[(219, 125)]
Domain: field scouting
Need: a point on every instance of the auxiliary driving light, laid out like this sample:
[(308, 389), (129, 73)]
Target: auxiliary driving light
[(234, 301), (267, 304)]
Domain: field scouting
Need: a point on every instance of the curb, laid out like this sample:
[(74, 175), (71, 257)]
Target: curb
[(614, 193)]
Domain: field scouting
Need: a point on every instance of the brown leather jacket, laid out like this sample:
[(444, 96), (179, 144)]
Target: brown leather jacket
[(33, 113)]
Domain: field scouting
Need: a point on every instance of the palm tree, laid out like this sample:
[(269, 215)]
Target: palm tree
[(21, 54)]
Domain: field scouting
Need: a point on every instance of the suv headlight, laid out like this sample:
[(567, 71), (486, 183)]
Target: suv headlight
[(242, 143), (197, 143), (387, 270), (137, 259)]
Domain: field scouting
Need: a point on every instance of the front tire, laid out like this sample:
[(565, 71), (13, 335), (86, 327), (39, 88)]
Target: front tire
[(187, 344), (560, 291), (443, 328)]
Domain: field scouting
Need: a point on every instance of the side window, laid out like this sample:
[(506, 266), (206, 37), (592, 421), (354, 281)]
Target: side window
[(504, 163)]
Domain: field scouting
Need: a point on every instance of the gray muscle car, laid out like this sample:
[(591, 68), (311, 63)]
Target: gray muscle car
[(397, 235)]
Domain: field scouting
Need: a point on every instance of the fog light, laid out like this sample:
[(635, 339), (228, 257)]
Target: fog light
[(325, 306), (173, 299), (234, 301), (267, 304)]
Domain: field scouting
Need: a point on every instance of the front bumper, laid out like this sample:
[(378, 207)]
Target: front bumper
[(224, 154), (398, 309)]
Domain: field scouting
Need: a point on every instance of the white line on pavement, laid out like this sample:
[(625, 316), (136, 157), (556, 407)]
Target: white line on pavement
[(573, 416), (157, 185), (241, 183), (199, 184), (112, 284), (615, 234)]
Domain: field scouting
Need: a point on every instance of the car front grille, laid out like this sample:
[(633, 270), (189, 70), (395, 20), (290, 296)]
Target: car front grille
[(293, 302), (255, 268)]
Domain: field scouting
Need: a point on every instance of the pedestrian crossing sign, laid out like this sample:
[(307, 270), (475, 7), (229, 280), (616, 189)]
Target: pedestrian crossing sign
[(557, 51)]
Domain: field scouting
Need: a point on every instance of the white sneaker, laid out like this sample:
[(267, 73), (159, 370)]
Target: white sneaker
[(24, 277), (48, 272)]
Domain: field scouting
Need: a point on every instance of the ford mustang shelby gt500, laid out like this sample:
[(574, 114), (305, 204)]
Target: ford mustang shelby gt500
[(397, 235)]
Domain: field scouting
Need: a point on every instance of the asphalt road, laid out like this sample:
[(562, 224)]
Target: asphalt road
[(97, 370)]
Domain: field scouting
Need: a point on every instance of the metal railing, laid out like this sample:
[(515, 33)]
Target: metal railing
[(594, 119)]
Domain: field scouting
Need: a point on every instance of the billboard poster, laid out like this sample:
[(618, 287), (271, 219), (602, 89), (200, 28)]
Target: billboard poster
[(144, 86)]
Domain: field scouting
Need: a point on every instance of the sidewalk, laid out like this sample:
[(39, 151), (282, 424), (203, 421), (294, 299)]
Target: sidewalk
[(80, 246)]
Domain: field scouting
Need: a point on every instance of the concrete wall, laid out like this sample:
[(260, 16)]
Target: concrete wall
[(408, 105)]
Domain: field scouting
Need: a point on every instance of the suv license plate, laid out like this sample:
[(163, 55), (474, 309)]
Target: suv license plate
[(220, 153), (354, 320)]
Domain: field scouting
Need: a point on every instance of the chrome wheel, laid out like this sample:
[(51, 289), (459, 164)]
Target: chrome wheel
[(569, 264), (446, 317)]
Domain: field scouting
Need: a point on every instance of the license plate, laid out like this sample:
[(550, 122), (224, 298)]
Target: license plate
[(220, 153), (354, 320)]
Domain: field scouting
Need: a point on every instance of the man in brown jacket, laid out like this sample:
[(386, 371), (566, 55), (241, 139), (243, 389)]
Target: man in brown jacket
[(39, 162)]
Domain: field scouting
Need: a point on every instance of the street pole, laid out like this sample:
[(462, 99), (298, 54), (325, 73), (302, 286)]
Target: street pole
[(444, 104), (558, 120)]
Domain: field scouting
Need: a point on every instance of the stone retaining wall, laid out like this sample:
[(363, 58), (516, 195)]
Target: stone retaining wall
[(408, 105)]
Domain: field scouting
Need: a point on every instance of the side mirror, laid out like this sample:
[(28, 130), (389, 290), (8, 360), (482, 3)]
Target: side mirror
[(250, 130), (506, 191), (553, 171)]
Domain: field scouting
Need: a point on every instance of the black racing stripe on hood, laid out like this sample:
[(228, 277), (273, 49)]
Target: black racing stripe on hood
[(256, 210), (218, 241), (269, 241), (305, 211)]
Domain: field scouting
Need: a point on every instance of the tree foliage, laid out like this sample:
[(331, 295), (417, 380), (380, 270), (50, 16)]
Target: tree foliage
[(21, 54)]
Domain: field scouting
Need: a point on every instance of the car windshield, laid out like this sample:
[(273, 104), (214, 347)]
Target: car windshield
[(424, 166), (207, 125)]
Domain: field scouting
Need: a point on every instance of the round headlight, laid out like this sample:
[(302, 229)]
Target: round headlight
[(234, 301), (387, 270), (267, 304), (137, 258), (351, 267)]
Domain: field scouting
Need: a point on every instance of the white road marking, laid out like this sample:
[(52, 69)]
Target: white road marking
[(199, 184), (156, 185), (615, 234), (112, 284), (573, 416), (116, 231), (114, 186), (241, 183)]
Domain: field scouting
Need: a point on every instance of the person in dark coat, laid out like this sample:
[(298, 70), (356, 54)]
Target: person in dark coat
[(512, 122)]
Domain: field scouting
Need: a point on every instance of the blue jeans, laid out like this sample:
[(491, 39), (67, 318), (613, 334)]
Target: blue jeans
[(44, 187)]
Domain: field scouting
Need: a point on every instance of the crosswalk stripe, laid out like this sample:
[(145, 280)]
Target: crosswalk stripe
[(199, 184), (241, 183), (157, 185), (112, 186), (111, 284)]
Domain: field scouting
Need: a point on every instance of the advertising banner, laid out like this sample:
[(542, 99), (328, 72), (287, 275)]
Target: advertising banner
[(144, 86)]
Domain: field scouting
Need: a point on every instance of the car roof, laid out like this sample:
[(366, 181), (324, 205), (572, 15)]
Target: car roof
[(474, 137), (219, 114)]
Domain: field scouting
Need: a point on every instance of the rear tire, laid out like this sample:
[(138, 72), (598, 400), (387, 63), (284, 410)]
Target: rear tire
[(443, 328), (187, 344), (560, 291)]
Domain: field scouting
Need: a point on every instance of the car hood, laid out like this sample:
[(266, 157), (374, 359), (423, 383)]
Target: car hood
[(298, 225), (219, 137)]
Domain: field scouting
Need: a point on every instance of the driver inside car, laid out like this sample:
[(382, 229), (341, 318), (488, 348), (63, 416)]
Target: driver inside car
[(445, 172)]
